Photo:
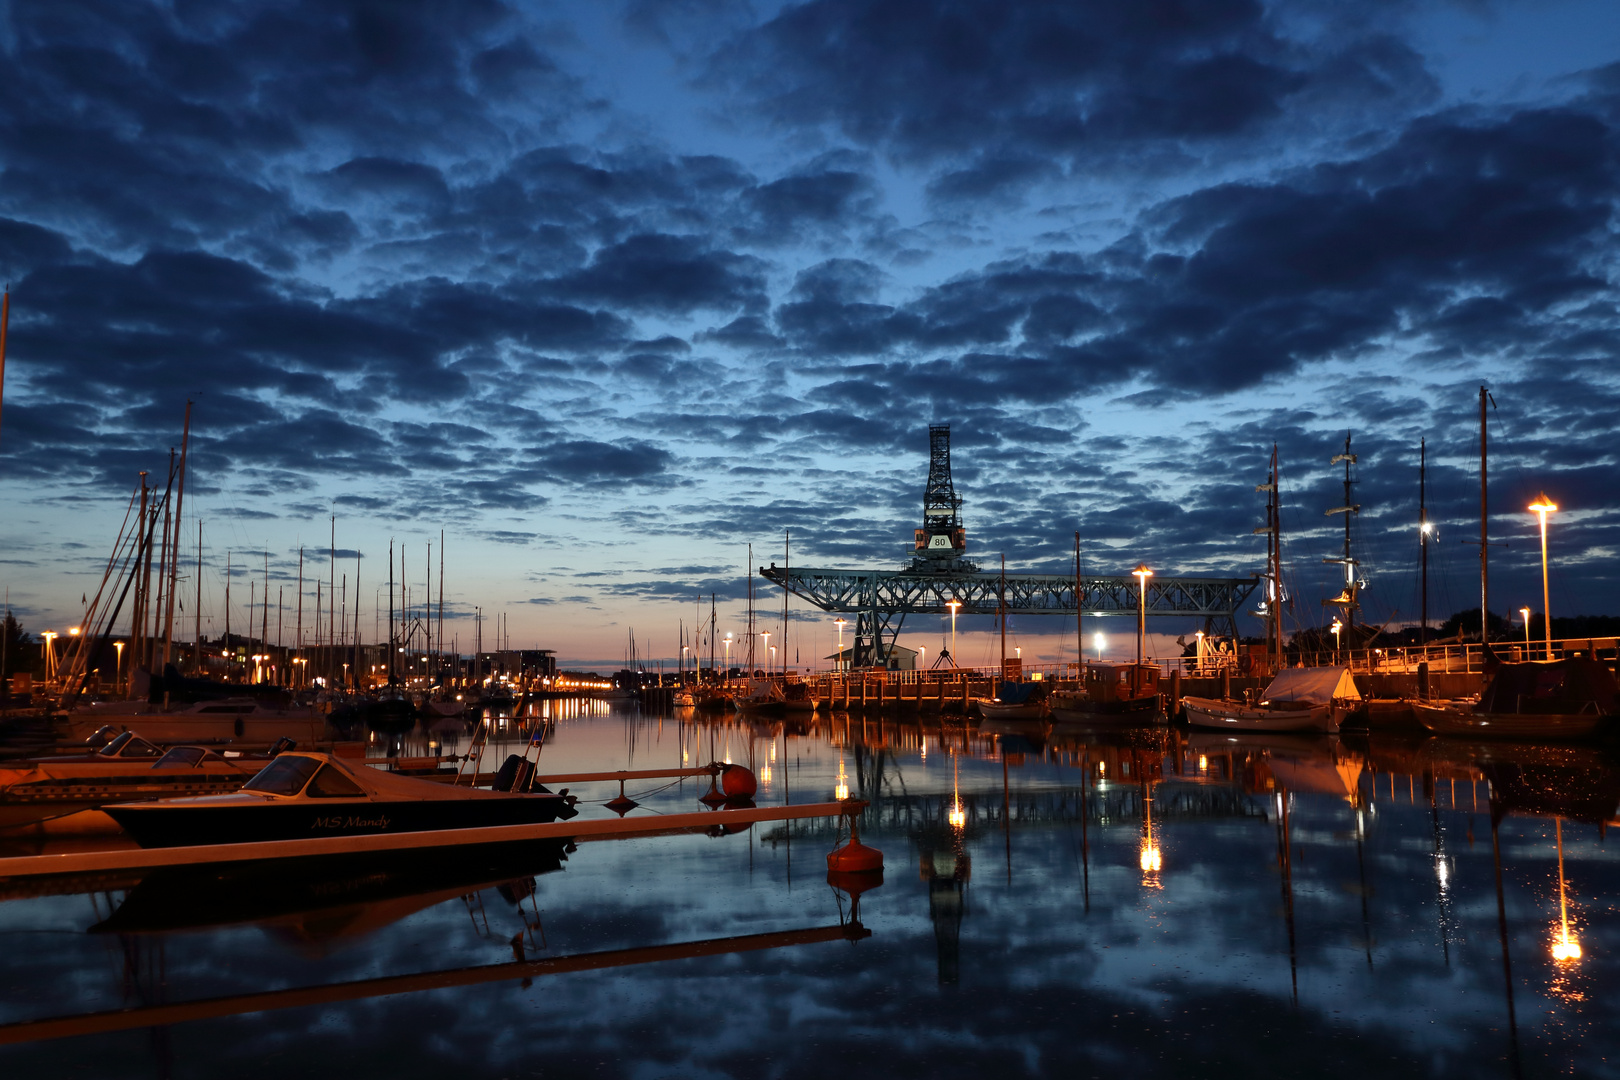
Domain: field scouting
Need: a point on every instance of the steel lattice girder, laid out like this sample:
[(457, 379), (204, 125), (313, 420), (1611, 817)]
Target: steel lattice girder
[(900, 592)]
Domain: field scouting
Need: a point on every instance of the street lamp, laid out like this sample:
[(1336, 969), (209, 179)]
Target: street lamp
[(1336, 628), (954, 605), (766, 634), (922, 658), (728, 655), (50, 637), (118, 667), (1542, 507), (840, 624), (1098, 642), (1526, 613)]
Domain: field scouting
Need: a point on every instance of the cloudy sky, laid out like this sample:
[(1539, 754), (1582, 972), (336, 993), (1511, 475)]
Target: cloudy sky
[(609, 291)]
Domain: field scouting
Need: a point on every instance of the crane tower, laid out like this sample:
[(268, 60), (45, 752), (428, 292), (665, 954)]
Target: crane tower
[(942, 541)]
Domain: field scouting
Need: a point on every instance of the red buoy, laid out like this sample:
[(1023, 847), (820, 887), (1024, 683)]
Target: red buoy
[(738, 782), (854, 858)]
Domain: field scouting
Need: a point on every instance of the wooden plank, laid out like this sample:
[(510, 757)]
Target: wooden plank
[(302, 997), (78, 862)]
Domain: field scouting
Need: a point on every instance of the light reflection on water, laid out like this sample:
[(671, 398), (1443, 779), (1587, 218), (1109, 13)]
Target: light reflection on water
[(1157, 901)]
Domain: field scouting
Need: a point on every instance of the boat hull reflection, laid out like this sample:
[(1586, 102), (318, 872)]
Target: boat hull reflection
[(327, 896)]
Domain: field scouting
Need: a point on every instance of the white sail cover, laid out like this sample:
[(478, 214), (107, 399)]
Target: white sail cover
[(1317, 685)]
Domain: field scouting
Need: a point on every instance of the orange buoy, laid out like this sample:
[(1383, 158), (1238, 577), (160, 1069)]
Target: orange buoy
[(854, 858), (738, 782)]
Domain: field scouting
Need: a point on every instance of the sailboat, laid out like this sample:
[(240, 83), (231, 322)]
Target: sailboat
[(1298, 699)]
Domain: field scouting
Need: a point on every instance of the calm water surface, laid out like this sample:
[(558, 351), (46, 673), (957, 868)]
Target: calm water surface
[(1151, 903)]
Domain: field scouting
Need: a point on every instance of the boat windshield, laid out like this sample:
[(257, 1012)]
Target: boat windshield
[(182, 757), (112, 748), (137, 747), (329, 783), (283, 776)]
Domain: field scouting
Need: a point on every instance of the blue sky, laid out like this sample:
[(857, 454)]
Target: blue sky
[(609, 291)]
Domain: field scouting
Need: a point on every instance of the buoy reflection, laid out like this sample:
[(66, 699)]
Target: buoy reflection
[(1566, 950)]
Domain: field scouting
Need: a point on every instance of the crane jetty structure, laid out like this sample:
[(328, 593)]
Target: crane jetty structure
[(941, 580)]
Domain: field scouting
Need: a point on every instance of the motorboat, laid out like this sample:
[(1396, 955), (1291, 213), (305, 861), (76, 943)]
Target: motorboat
[(1573, 698), (1298, 699), (241, 719), (1112, 694), (307, 795), (55, 789)]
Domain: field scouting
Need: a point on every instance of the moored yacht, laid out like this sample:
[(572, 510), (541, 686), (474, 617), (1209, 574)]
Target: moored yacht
[(301, 796)]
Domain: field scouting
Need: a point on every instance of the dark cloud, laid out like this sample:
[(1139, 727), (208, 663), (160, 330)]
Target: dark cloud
[(994, 91)]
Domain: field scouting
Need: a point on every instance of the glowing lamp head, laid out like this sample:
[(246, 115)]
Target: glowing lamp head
[(1543, 505), (1566, 951), (841, 792), (1152, 862), (1142, 573), (957, 816)]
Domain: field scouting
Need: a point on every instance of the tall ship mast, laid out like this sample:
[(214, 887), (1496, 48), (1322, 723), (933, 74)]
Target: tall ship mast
[(1349, 598), (1271, 606)]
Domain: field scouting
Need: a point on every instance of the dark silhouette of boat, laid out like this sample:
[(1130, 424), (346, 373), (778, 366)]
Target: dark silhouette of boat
[(301, 796)]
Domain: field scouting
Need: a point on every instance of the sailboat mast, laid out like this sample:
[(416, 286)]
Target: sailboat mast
[(1001, 615), (1079, 617), (787, 550), (1349, 567), (1423, 542), (390, 613), (1484, 540), (174, 573), (197, 614), (1274, 544)]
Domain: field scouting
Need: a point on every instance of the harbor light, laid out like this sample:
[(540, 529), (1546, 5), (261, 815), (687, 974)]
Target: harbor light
[(1098, 642), (118, 665), (1541, 508), (1337, 628), (955, 605), (841, 792), (1526, 613)]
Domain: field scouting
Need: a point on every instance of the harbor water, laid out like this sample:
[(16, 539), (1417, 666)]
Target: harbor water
[(1147, 902)]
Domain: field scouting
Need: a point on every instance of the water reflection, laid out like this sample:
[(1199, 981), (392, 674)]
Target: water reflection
[(1153, 900)]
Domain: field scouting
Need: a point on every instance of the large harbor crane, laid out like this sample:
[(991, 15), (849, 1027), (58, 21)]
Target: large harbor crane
[(941, 580)]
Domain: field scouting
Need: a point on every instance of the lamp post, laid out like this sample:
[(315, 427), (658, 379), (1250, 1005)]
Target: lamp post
[(954, 605), (1542, 507), (840, 624), (1526, 613), (49, 637), (728, 655), (922, 658), (1098, 642), (766, 643), (118, 667), (1336, 628), (1141, 573)]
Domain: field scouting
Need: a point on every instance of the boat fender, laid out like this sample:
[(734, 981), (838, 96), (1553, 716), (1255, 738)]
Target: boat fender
[(738, 782)]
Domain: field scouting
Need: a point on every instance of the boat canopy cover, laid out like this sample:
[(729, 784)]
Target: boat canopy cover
[(1557, 686), (1016, 693), (374, 783), (1317, 685)]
